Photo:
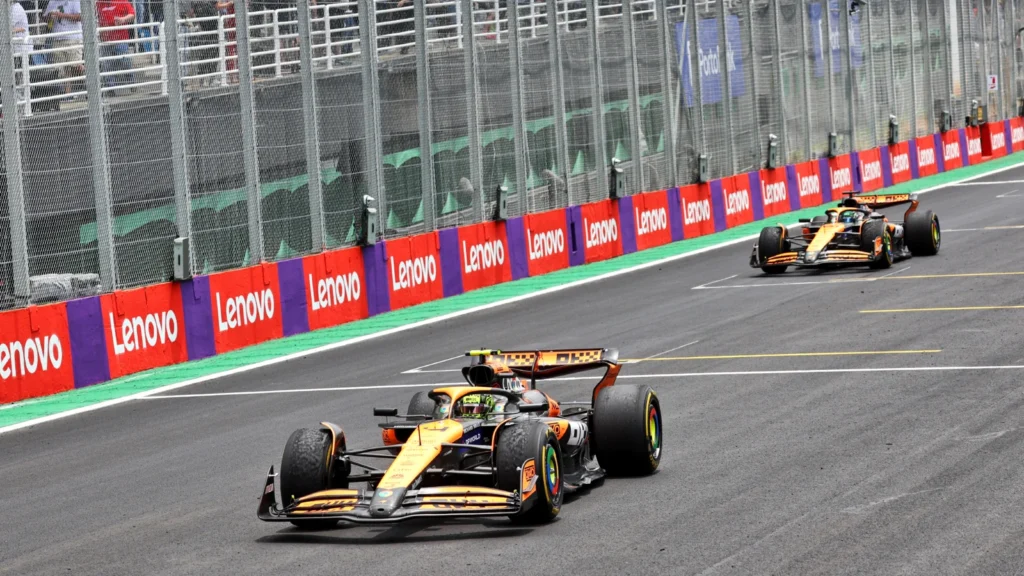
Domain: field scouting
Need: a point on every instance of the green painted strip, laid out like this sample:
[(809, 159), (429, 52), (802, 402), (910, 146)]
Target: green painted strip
[(144, 381)]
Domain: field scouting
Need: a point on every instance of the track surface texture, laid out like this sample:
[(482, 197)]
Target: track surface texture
[(865, 467)]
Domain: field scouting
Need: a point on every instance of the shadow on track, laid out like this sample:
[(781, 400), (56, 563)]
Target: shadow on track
[(406, 532)]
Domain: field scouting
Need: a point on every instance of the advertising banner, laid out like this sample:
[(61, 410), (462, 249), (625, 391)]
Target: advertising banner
[(926, 160), (35, 353), (696, 205), (740, 205), (334, 288), (805, 178), (870, 166), (144, 328), (952, 155), (974, 146), (993, 139), (599, 222), (1017, 134), (899, 163), (481, 256), (776, 197), (547, 242), (651, 219), (840, 180), (246, 306), (414, 270), (709, 59)]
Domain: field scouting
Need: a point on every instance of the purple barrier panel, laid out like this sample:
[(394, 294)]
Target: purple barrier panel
[(964, 152), (516, 234), (718, 202), (88, 344), (577, 254), (825, 177), (883, 153), (793, 187), (1009, 137), (756, 198), (915, 169), (855, 168), (294, 312), (675, 214), (195, 303), (451, 263), (627, 225), (940, 155), (375, 262)]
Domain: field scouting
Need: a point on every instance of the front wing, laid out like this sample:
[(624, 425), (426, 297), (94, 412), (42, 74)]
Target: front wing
[(355, 505), (823, 258)]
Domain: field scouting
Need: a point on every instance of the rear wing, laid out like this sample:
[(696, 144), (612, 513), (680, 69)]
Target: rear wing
[(542, 364), (878, 201)]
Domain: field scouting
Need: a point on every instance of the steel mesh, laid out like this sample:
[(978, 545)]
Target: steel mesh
[(578, 78), (618, 114), (794, 61), (650, 62)]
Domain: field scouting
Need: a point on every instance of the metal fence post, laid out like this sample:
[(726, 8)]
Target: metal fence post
[(309, 119), (826, 47), (371, 107), (753, 82), (894, 102), (694, 66), (723, 62), (247, 118), (1013, 54), (179, 167), (561, 136), (913, 73), (632, 93), (784, 152), (476, 162), (807, 77), (98, 143), (661, 10), (984, 59), (869, 61), (928, 70), (597, 100), (424, 114), (12, 162), (997, 33), (850, 88), (516, 88)]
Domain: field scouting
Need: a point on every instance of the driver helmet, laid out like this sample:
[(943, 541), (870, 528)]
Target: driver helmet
[(480, 405), (850, 217)]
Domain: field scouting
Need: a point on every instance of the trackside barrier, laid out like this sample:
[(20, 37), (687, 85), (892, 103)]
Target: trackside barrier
[(54, 348)]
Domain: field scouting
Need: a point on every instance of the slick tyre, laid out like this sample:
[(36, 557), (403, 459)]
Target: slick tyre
[(421, 405), (872, 230), (528, 451), (772, 242), (627, 430), (923, 233), (304, 470)]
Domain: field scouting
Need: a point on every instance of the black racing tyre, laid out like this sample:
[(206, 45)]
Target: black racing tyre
[(869, 232), (522, 444), (304, 470), (922, 233), (772, 242), (626, 430), (421, 405)]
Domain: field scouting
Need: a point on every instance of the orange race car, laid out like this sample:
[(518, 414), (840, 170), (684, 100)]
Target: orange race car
[(851, 234), (497, 447)]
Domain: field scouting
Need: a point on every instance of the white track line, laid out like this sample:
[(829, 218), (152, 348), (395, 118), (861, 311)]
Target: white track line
[(715, 282), (594, 379), (1010, 194), (431, 321), (420, 369), (986, 229), (993, 182), (670, 350)]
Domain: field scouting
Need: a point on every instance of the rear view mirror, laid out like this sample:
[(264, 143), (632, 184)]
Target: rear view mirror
[(385, 411), (805, 220), (534, 407)]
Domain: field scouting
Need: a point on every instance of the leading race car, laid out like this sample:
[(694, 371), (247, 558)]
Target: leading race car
[(497, 447), (851, 234)]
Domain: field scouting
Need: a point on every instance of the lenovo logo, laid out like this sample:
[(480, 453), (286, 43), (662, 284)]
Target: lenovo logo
[(414, 272), (696, 212), (736, 202), (900, 163), (841, 178), (925, 157), (24, 358), (650, 221), (998, 140), (773, 193), (872, 170), (482, 256), (973, 146), (244, 310), (809, 186), (601, 232), (546, 243), (142, 332), (951, 151), (335, 290)]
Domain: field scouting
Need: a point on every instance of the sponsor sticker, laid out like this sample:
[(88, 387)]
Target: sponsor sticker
[(246, 307), (145, 328)]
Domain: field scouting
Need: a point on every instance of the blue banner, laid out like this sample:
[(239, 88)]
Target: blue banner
[(818, 32), (708, 58)]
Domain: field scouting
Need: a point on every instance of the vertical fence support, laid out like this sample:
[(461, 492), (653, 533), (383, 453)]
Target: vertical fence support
[(807, 77), (850, 88), (597, 101), (784, 151), (476, 163), (983, 72), (869, 61), (753, 83), (98, 143), (179, 167), (692, 50), (561, 136), (723, 65), (668, 104), (424, 114), (826, 47), (892, 62), (997, 32), (913, 73), (516, 88), (12, 162), (932, 126), (309, 120), (633, 94), (371, 109), (248, 121)]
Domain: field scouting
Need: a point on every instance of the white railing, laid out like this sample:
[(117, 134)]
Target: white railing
[(209, 54)]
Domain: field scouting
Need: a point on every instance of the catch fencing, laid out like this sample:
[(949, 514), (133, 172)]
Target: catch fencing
[(264, 130)]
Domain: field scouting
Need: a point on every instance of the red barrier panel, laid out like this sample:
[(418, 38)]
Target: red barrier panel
[(927, 164), (974, 148), (1017, 134), (870, 170), (246, 307), (698, 216), (808, 182), (899, 162), (335, 287), (484, 255), (414, 270), (35, 353), (775, 192), (650, 216), (145, 328), (952, 156), (601, 239), (840, 175), (547, 247), (739, 205), (993, 139)]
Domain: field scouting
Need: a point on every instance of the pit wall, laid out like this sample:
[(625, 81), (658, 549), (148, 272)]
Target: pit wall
[(54, 348)]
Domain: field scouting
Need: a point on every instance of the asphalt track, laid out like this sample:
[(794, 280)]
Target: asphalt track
[(809, 463)]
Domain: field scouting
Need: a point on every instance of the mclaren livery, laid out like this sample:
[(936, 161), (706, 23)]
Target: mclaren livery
[(852, 233), (497, 447)]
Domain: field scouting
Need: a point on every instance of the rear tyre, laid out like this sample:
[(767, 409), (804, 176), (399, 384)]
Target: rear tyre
[(627, 430), (522, 445), (421, 405), (923, 233), (869, 232), (772, 242), (304, 470)]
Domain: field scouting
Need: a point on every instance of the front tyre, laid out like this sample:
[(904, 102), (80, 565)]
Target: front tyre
[(772, 242), (923, 233), (870, 232), (305, 470), (627, 430), (529, 458)]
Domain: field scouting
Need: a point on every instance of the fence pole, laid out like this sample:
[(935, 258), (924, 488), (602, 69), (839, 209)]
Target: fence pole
[(692, 51), (997, 31), (964, 57), (250, 160), (371, 108), (784, 145), (913, 72), (826, 47), (892, 62), (984, 59), (1013, 52), (12, 162), (179, 167), (723, 65), (309, 119), (160, 37), (561, 136), (869, 61), (753, 83), (850, 88), (424, 114), (597, 101), (668, 103), (632, 94), (928, 70), (515, 87), (807, 77), (476, 162), (98, 143)]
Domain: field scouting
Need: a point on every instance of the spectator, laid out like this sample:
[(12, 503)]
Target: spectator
[(206, 10), (19, 31), (64, 17), (227, 8), (114, 48)]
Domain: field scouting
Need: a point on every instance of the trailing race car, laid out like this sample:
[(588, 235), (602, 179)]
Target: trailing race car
[(498, 447), (851, 234)]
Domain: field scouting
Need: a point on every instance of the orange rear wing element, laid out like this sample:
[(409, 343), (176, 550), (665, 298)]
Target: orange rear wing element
[(542, 364), (878, 201)]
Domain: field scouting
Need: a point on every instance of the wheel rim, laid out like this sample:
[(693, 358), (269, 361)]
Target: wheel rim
[(551, 472), (654, 431), (887, 246), (936, 233)]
